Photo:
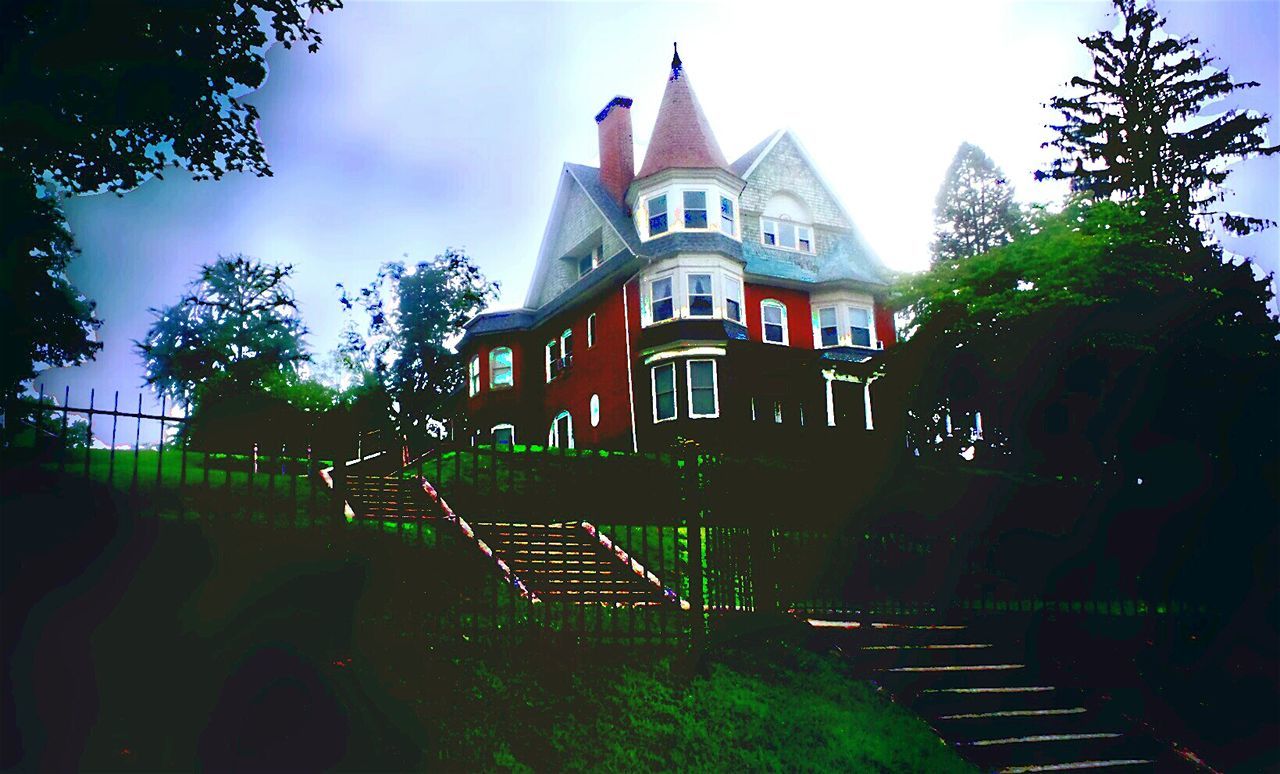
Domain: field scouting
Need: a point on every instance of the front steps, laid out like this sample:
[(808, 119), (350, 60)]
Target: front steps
[(979, 690)]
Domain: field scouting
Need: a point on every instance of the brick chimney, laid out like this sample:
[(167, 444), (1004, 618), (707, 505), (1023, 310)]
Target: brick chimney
[(617, 156)]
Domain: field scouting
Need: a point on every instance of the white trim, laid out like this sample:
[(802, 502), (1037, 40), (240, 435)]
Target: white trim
[(631, 390), (553, 435), (831, 401), (866, 403), (653, 391), (764, 336), (546, 357), (724, 273), (675, 189), (591, 330), (695, 350), (842, 301), (777, 245), (715, 387), (503, 426)]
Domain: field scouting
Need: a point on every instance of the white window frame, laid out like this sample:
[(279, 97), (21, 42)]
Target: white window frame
[(591, 330), (673, 279), (773, 303), (732, 218), (566, 338), (871, 325), (689, 295), (473, 377), (653, 390), (777, 245), (730, 282), (493, 431), (494, 384), (842, 303), (553, 435), (707, 196), (715, 387), (553, 344), (648, 213), (818, 326)]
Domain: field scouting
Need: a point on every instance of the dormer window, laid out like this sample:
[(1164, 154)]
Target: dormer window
[(695, 209), (657, 207), (589, 262)]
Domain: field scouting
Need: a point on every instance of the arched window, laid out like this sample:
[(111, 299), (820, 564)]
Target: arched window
[(501, 374), (773, 320), (561, 433)]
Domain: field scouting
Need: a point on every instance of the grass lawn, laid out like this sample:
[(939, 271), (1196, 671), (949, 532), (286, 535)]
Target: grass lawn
[(148, 644)]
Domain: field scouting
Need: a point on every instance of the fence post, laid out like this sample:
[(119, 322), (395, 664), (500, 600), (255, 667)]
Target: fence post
[(693, 509)]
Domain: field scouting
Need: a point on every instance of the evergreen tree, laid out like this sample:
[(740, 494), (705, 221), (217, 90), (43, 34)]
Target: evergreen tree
[(975, 210), (1135, 126)]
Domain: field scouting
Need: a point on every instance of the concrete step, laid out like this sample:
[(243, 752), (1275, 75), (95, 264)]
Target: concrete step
[(1100, 749)]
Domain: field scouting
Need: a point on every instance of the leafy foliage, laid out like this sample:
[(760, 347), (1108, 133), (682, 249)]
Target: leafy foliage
[(1134, 127), (101, 95), (238, 323), (975, 210), (1092, 343), (411, 321), (45, 320)]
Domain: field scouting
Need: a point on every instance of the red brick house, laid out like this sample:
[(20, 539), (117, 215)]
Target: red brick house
[(728, 302)]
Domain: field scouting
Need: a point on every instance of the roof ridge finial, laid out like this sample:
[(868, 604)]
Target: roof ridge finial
[(675, 60)]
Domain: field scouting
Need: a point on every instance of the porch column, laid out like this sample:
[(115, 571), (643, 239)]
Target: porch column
[(866, 403), (831, 404)]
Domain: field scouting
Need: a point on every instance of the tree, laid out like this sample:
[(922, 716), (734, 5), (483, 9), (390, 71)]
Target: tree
[(237, 325), (975, 210), (1135, 126), (412, 319), (98, 96), (102, 95), (44, 319), (1094, 343)]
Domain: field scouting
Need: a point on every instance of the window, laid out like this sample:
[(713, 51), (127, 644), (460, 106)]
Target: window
[(695, 209), (473, 376), (591, 331), (561, 433), (773, 317), (701, 302), (504, 435), (860, 326), (828, 331), (657, 207), (566, 349), (703, 400), (500, 371), (726, 215), (553, 360), (732, 298), (664, 392), (777, 412), (588, 262), (663, 305), (784, 233), (595, 410)]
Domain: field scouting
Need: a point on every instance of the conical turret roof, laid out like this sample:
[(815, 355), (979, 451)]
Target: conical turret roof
[(682, 138)]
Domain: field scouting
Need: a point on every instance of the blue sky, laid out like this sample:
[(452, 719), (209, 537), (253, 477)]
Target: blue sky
[(423, 125)]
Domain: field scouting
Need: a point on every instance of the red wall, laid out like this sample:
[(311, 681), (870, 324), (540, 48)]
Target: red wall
[(799, 325), (885, 331)]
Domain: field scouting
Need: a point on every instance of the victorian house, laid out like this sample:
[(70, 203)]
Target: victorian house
[(732, 303)]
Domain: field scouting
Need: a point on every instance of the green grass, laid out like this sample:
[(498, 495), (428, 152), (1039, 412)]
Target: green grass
[(360, 675)]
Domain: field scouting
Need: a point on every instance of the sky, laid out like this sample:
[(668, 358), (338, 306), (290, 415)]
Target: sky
[(419, 126)]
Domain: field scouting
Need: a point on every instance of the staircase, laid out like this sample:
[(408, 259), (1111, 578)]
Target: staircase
[(975, 685)]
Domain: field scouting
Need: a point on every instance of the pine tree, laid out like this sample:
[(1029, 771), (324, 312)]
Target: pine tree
[(975, 210), (1135, 127)]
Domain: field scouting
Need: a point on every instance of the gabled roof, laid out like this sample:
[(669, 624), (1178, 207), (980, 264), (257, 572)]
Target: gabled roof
[(681, 138), (747, 160)]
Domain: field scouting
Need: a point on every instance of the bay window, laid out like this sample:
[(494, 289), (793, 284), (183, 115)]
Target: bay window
[(727, 216), (859, 326), (733, 299), (657, 207), (701, 300), (663, 304), (773, 319), (703, 400), (500, 370), (664, 392), (828, 329), (695, 209)]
